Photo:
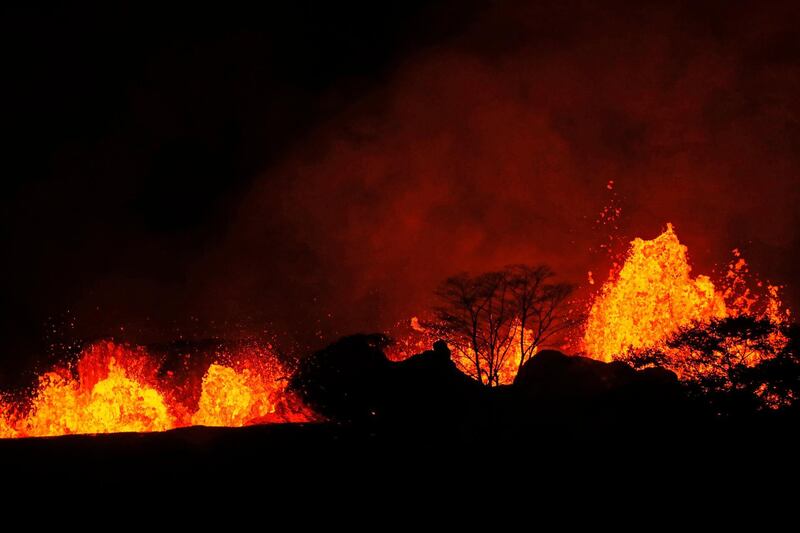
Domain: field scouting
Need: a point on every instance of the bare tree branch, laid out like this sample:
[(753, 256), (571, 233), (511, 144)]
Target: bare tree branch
[(493, 316)]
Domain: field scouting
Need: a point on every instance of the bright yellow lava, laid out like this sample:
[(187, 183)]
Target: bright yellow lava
[(231, 398), (116, 403), (653, 295)]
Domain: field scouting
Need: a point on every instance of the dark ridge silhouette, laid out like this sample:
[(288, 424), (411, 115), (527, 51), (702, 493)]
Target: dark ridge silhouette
[(401, 422), (566, 398), (552, 377), (580, 398), (347, 380), (352, 381), (551, 372)]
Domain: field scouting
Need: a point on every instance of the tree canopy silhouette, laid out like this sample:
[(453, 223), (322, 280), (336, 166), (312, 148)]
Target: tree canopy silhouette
[(736, 364), (496, 321)]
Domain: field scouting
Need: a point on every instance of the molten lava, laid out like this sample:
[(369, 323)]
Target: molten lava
[(116, 403), (649, 298), (235, 397), (115, 388), (227, 398), (653, 295), (114, 391)]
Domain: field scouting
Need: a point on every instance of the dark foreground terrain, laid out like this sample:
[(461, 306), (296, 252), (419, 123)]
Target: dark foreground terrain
[(420, 430), (292, 467)]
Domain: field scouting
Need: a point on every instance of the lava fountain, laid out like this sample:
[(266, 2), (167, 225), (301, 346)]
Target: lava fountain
[(646, 300), (653, 295), (116, 388)]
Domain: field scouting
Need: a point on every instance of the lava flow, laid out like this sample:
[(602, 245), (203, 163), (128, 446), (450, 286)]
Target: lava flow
[(115, 388)]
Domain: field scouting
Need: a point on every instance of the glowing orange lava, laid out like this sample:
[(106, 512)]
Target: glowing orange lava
[(117, 388), (114, 392), (235, 397), (653, 295), (648, 298), (114, 388), (7, 429)]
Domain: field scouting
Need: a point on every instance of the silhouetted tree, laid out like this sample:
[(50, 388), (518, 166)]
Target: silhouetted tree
[(737, 364), (493, 316), (539, 306), (477, 319)]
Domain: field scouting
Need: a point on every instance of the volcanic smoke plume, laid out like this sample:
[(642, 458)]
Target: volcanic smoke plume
[(487, 144), (496, 147)]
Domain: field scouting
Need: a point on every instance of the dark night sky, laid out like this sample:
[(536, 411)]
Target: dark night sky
[(314, 170)]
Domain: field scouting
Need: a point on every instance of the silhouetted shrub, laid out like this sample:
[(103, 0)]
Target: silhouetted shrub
[(736, 365)]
